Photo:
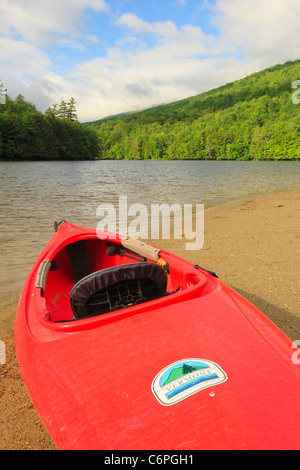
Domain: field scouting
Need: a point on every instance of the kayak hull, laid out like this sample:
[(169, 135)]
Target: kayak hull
[(201, 368)]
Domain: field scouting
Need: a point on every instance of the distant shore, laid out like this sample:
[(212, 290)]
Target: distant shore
[(253, 246)]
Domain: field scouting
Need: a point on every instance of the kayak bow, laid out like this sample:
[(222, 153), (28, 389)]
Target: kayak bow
[(122, 345)]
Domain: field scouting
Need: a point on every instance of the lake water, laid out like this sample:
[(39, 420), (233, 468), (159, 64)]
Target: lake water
[(35, 194)]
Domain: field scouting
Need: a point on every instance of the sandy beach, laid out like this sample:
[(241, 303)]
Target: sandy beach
[(252, 245)]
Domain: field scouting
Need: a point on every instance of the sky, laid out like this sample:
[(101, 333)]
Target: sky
[(125, 55)]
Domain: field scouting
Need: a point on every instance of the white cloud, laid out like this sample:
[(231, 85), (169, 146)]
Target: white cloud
[(132, 21), (263, 30), (93, 38), (159, 28), (43, 21), (104, 91), (25, 70), (26, 26), (19, 56)]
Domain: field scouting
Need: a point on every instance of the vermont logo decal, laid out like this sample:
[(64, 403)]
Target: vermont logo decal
[(184, 378)]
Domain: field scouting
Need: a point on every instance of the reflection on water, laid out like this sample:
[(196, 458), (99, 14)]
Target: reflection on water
[(34, 194)]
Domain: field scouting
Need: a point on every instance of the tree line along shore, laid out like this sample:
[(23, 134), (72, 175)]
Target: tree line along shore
[(255, 118)]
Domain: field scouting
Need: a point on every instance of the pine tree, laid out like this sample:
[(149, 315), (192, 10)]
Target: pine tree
[(63, 110), (52, 110), (186, 369), (71, 113)]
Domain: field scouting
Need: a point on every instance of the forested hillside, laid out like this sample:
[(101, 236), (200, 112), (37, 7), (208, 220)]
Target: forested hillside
[(250, 119), (27, 134), (253, 118)]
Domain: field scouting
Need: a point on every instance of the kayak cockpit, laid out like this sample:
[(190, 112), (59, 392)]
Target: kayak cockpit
[(91, 277)]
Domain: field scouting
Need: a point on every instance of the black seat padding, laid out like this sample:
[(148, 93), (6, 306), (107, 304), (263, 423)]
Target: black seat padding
[(120, 279)]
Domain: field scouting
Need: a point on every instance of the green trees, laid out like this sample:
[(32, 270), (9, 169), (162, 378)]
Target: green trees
[(250, 119), (27, 134), (64, 110)]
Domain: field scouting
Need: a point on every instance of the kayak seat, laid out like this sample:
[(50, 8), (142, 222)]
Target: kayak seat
[(116, 288)]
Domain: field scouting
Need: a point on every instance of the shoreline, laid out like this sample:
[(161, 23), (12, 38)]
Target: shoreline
[(251, 244)]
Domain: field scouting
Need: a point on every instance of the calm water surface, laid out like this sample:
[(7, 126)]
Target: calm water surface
[(35, 194)]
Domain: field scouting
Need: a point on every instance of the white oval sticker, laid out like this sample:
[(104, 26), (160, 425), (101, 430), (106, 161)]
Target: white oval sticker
[(183, 378)]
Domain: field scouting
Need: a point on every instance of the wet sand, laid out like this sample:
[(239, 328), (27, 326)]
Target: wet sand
[(253, 246)]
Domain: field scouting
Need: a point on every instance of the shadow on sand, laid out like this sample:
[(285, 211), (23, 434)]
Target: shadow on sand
[(286, 321)]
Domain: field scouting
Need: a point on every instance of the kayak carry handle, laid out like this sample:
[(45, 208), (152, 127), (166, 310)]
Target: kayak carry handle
[(42, 274), (141, 248), (58, 224)]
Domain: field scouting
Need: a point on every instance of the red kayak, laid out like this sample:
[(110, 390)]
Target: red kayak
[(125, 346)]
